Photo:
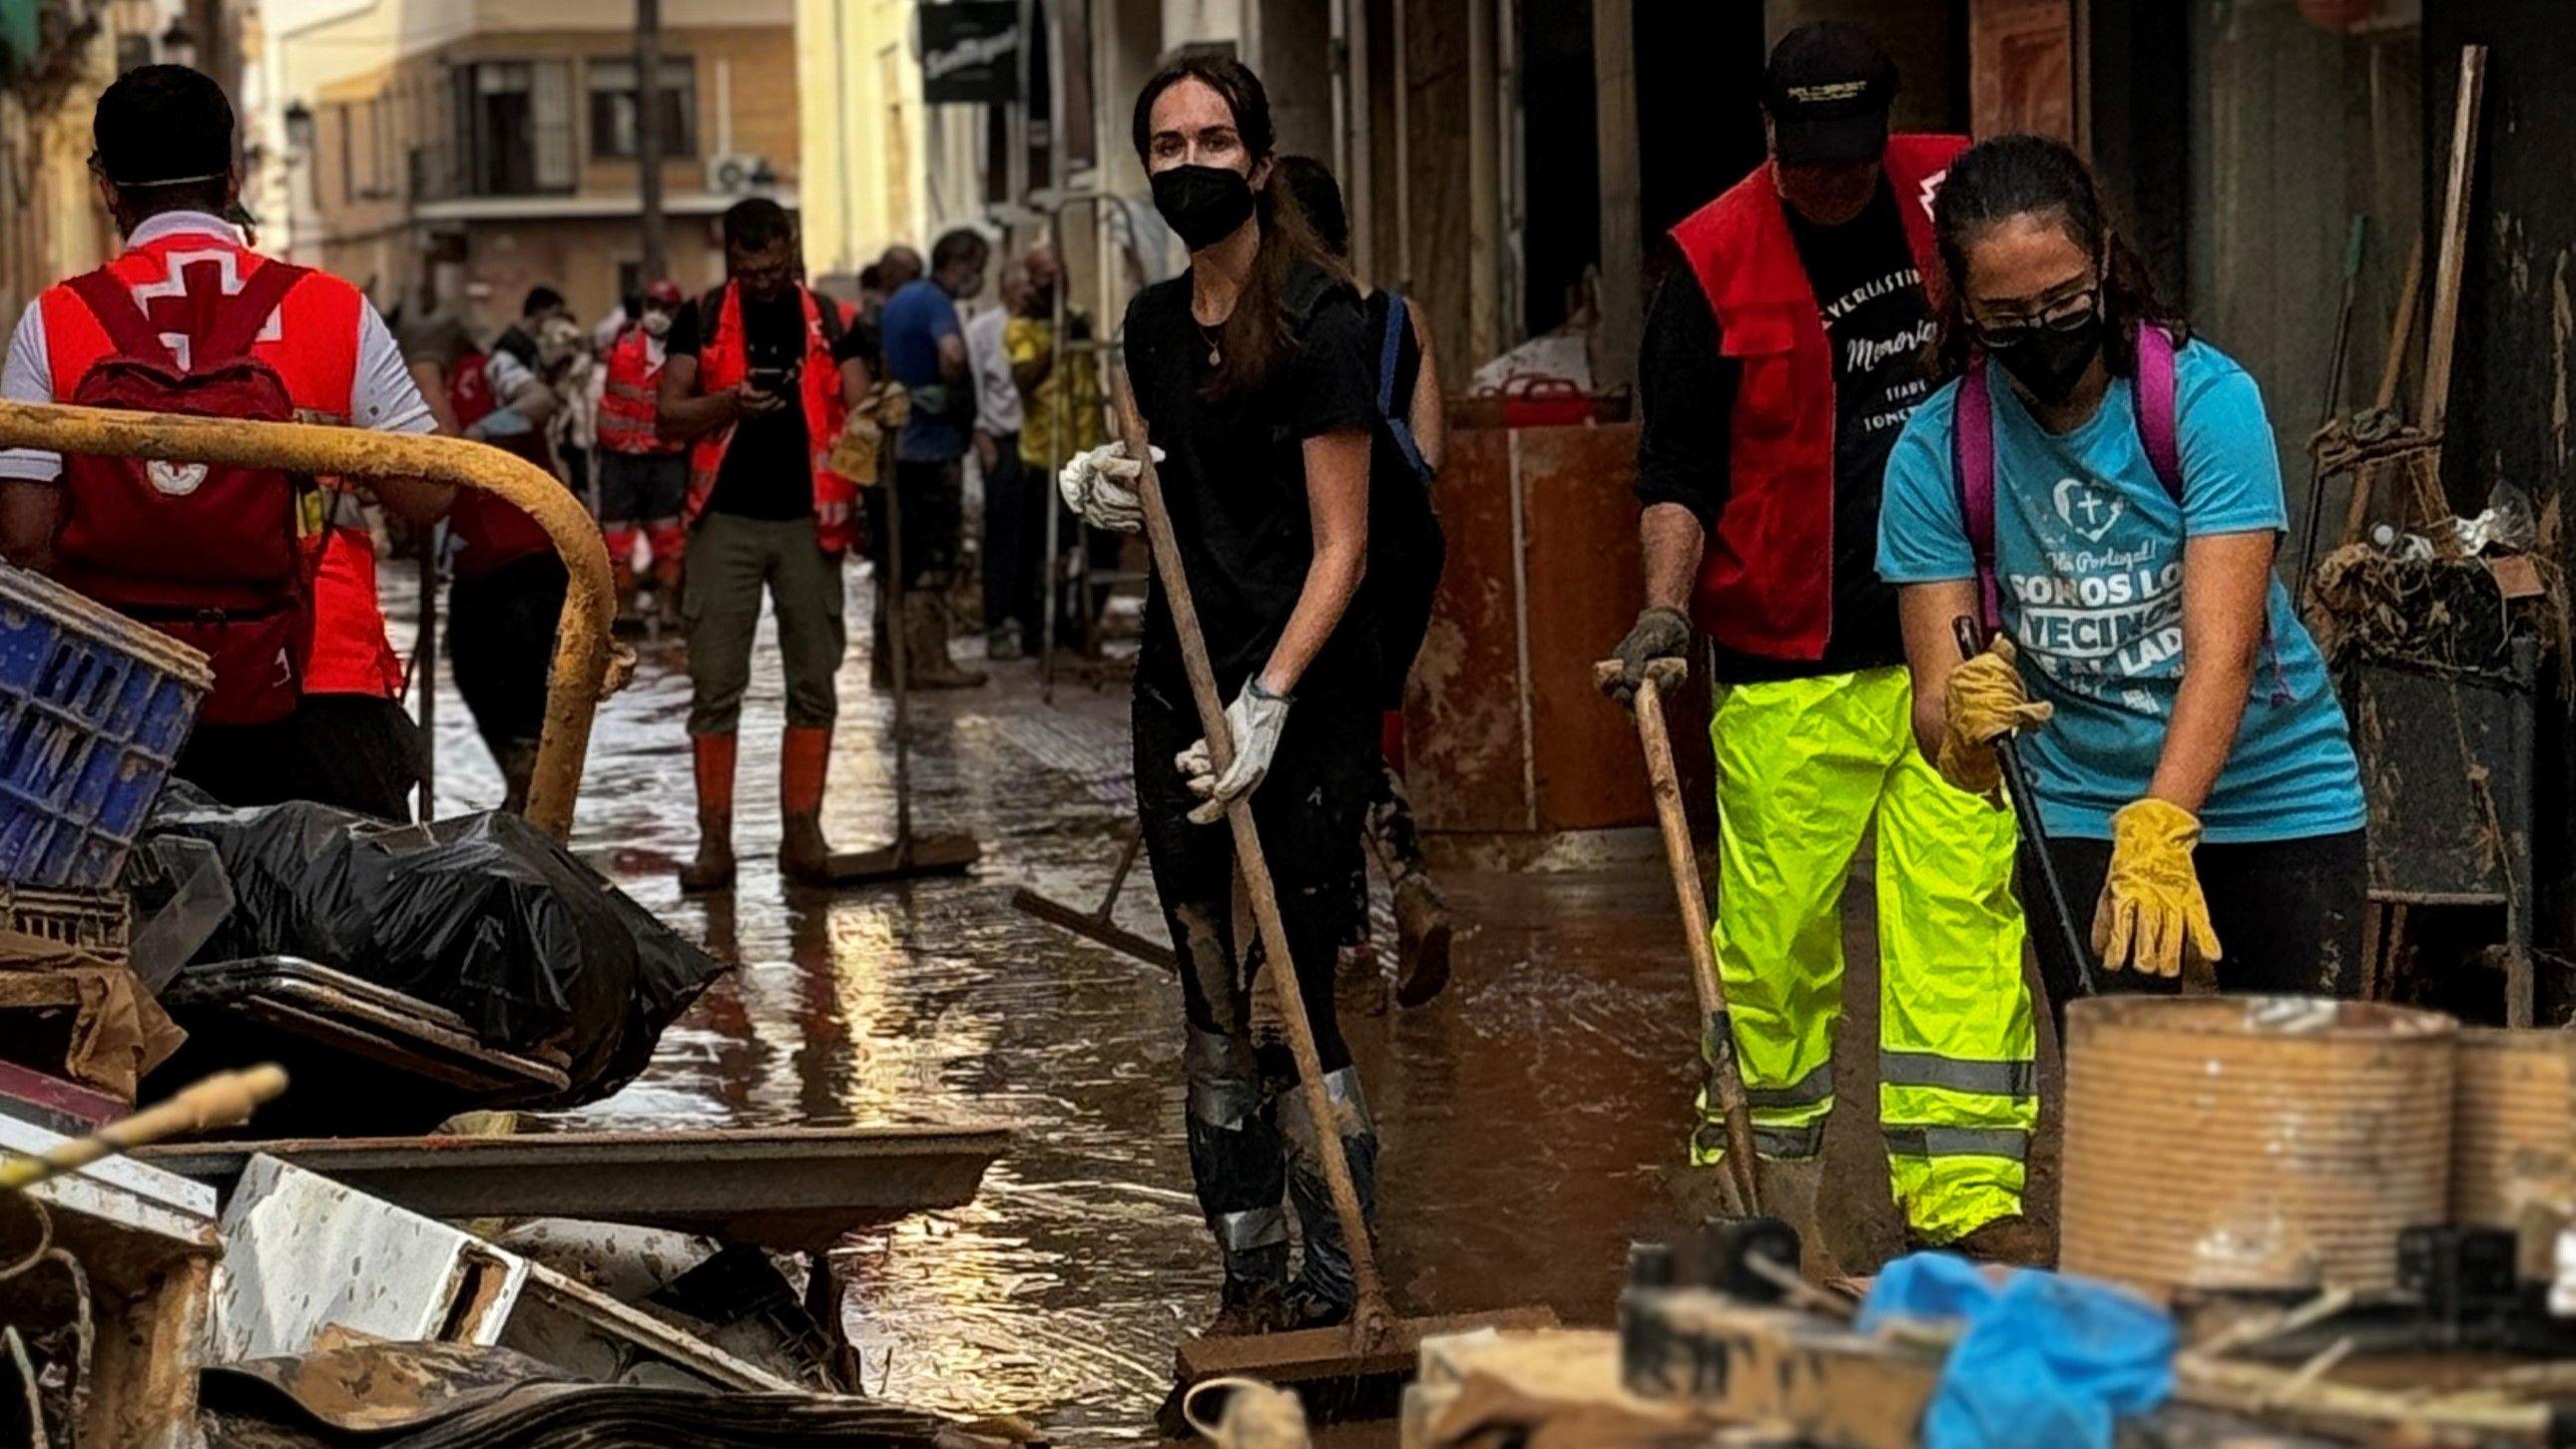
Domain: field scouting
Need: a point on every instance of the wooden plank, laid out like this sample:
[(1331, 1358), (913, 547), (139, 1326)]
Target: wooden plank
[(1311, 1354), (2444, 336)]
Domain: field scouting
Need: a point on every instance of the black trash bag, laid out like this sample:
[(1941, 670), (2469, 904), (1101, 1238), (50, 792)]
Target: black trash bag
[(483, 915)]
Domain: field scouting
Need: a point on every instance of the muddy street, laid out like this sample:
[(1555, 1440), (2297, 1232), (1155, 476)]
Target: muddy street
[(1530, 1114)]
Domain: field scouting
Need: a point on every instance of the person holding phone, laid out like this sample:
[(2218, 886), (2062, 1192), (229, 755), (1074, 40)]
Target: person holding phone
[(758, 378)]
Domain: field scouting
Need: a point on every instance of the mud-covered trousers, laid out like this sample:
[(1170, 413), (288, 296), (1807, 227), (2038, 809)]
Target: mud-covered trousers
[(1251, 1140)]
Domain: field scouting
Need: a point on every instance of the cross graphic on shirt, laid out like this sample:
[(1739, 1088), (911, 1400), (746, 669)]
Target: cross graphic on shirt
[(183, 304), (2090, 505)]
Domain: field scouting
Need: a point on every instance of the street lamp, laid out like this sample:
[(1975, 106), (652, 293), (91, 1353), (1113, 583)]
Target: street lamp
[(179, 43), (299, 129)]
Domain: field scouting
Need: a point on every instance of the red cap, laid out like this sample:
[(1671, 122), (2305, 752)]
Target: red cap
[(664, 290)]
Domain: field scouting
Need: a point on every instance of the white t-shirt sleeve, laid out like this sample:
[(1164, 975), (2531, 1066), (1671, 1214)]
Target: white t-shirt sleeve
[(28, 376), (382, 397), (506, 374)]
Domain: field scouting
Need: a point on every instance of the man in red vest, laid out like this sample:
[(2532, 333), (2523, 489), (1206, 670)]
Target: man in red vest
[(1780, 362), (759, 377), (165, 169), (643, 478)]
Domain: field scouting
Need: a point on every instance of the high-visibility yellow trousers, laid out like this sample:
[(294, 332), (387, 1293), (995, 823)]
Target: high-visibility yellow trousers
[(1804, 768)]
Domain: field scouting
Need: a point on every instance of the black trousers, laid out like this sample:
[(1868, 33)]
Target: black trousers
[(934, 503), (1308, 811), (1011, 540), (501, 643), (352, 751), (2288, 915)]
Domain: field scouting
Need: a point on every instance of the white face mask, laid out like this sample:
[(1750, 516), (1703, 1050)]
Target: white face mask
[(656, 324)]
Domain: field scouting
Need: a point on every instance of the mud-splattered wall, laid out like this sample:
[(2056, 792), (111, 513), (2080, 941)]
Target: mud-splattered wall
[(2510, 395)]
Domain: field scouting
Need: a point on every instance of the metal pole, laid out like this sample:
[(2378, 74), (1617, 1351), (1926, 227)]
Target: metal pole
[(424, 664), (1052, 574), (648, 134)]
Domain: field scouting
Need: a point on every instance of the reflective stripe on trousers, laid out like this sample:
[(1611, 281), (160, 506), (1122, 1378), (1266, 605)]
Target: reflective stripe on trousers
[(1806, 769)]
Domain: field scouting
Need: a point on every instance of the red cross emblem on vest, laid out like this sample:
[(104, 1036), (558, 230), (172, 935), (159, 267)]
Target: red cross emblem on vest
[(183, 302)]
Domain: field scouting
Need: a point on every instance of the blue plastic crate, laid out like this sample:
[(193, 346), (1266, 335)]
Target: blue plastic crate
[(93, 710)]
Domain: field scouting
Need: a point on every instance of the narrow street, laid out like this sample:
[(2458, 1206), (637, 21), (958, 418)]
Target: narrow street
[(1530, 1113)]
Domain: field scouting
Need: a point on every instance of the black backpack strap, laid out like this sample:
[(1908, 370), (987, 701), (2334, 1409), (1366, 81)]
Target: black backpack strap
[(127, 328)]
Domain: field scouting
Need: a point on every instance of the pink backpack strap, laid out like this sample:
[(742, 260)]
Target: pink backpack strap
[(1972, 463), (2158, 430)]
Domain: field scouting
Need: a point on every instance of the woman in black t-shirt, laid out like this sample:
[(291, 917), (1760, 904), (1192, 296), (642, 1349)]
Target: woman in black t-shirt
[(1251, 372)]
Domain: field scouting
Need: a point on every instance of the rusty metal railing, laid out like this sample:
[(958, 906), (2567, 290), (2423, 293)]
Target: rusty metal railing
[(579, 674)]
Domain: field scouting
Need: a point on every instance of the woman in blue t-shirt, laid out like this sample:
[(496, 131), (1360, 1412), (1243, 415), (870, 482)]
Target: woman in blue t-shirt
[(2194, 772)]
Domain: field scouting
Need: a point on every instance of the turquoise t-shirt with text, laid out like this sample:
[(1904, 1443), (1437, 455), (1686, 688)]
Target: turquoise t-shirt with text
[(2088, 553)]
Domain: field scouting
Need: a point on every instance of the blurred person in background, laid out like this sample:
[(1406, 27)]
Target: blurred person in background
[(643, 477), (1409, 442), (925, 350), (1008, 564)]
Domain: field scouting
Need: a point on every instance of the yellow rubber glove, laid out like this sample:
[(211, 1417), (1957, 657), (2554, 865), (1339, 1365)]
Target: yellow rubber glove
[(1984, 702), (2152, 916)]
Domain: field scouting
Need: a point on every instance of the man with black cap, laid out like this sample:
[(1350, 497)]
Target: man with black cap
[(286, 581), (1779, 364)]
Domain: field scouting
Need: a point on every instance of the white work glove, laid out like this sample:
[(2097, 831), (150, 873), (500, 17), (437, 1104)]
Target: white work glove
[(1101, 486), (1254, 720)]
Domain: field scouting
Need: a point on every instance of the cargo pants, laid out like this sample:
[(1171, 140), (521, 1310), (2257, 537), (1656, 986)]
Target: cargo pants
[(1805, 768)]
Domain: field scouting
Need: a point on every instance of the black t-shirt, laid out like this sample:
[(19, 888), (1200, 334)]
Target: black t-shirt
[(768, 468), (1234, 474), (1878, 322)]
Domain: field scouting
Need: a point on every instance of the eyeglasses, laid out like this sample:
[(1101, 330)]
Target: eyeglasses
[(2067, 314)]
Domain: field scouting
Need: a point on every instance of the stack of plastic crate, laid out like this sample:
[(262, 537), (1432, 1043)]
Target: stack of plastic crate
[(94, 708)]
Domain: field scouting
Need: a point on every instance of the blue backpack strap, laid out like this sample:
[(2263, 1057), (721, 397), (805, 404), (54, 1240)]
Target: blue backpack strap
[(1391, 350)]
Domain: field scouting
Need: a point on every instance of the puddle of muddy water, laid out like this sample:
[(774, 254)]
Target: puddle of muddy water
[(1527, 1115)]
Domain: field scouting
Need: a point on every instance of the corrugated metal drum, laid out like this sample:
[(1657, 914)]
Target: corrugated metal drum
[(2510, 1134), (2252, 1143)]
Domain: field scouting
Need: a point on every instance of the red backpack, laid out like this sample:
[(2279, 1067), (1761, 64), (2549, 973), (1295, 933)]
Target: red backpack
[(207, 553)]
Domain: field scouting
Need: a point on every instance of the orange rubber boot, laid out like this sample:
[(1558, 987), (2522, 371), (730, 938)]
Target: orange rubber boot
[(713, 756)]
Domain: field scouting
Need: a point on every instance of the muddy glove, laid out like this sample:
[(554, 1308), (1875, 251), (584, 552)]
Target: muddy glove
[(1659, 633), (1254, 720), (1985, 702), (2152, 916), (1101, 486)]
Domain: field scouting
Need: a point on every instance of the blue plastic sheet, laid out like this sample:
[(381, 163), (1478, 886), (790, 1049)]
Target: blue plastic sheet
[(2043, 1361)]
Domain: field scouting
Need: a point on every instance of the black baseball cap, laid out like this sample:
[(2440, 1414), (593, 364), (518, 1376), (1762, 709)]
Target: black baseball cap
[(163, 124), (1828, 90)]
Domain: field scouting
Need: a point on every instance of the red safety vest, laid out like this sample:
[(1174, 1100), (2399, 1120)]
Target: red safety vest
[(313, 347), (1766, 581), (629, 404), (490, 531), (722, 362)]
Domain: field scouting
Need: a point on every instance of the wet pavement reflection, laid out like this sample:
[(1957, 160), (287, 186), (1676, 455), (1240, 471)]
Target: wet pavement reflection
[(1527, 1114)]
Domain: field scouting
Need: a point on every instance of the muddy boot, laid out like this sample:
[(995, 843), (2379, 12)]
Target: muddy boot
[(666, 595), (713, 756), (1325, 1290), (927, 662), (804, 857), (630, 617), (2014, 1241), (1789, 1188), (1422, 932), (518, 762)]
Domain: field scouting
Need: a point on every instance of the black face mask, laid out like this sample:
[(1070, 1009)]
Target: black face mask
[(2049, 364), (1204, 204)]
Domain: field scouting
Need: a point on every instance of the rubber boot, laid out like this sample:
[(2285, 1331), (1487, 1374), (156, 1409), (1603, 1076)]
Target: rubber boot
[(518, 762), (927, 662), (804, 762), (713, 756), (1325, 1289), (667, 582), (1423, 932), (621, 571)]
